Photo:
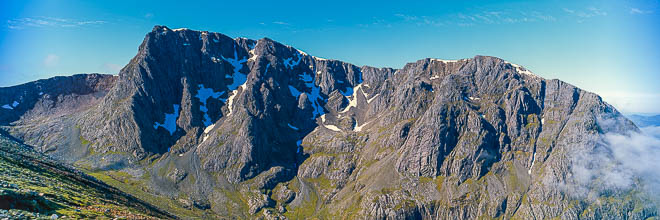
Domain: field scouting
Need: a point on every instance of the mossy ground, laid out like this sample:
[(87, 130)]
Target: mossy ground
[(27, 176)]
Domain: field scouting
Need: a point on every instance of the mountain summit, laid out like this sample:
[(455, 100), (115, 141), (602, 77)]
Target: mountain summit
[(203, 125)]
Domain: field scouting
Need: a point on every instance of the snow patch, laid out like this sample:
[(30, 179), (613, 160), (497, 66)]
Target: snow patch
[(290, 63), (230, 101), (292, 127), (41, 93), (352, 95), (319, 58), (307, 78), (299, 144), (203, 94), (312, 96), (170, 121), (352, 102), (542, 121), (530, 167), (253, 56), (446, 61), (180, 29), (359, 127), (12, 106), (209, 128), (471, 98), (294, 91), (236, 63), (520, 69), (332, 127), (435, 77), (239, 80), (372, 98)]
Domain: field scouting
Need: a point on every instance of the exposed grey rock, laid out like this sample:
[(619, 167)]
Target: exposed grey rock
[(467, 139), (256, 203)]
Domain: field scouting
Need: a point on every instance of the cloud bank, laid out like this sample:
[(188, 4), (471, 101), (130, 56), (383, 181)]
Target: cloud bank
[(620, 161), (50, 22), (51, 60)]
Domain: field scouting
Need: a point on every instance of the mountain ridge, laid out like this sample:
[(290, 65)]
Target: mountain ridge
[(224, 126)]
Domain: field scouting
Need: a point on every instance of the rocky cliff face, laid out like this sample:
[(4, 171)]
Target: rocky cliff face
[(54, 97), (42, 113), (218, 126)]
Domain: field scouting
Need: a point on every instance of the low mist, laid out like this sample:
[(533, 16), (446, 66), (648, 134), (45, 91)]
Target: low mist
[(619, 161)]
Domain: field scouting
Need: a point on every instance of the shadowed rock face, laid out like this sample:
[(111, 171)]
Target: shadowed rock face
[(41, 113), (245, 128), (52, 97)]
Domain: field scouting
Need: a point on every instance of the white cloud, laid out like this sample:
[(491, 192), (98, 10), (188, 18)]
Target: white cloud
[(51, 60), (586, 13), (406, 17), (45, 22), (632, 102), (484, 17), (639, 11), (280, 23), (111, 67), (620, 160)]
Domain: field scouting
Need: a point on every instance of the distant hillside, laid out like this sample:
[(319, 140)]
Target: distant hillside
[(645, 121)]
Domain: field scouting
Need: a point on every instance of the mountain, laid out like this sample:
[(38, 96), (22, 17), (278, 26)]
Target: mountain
[(207, 126), (33, 185), (645, 121)]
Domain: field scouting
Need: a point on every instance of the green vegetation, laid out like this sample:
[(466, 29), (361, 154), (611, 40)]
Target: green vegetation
[(84, 141), (237, 204), (137, 188), (39, 186), (307, 208)]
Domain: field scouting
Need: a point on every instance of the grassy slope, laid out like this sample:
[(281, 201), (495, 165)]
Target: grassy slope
[(32, 184)]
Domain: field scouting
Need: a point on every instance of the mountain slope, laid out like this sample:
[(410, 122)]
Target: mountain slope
[(204, 125), (45, 111), (33, 185), (644, 121)]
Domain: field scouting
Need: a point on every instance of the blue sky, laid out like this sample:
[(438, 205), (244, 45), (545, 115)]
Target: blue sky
[(608, 47)]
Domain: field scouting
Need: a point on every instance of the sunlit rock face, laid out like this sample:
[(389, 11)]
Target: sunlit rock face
[(248, 128)]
